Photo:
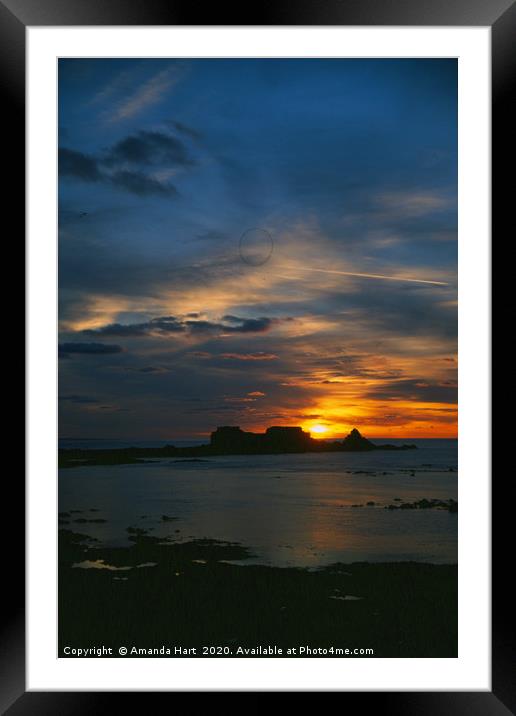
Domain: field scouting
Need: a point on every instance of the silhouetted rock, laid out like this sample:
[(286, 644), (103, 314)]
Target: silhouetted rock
[(356, 442), (424, 504)]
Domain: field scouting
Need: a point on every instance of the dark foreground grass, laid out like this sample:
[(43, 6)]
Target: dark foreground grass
[(407, 609)]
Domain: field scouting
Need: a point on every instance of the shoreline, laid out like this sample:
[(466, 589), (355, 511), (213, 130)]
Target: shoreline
[(160, 593), (78, 457), (229, 440)]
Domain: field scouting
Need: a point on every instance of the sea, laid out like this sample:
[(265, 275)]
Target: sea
[(297, 510)]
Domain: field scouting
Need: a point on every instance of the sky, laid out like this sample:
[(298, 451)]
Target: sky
[(257, 242)]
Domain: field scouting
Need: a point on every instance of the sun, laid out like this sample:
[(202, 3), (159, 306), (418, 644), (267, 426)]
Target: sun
[(319, 429)]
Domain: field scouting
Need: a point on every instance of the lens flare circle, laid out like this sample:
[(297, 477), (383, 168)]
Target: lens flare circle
[(255, 247)]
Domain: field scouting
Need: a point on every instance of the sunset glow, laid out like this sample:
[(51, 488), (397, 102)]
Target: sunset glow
[(319, 429)]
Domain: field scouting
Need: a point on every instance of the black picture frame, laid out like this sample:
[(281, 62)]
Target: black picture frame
[(500, 16)]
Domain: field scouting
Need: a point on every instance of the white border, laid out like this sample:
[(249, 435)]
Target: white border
[(471, 670)]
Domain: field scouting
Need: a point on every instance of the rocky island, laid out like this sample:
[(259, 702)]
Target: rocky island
[(229, 440)]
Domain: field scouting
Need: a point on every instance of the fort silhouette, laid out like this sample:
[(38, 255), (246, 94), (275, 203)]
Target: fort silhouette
[(231, 439)]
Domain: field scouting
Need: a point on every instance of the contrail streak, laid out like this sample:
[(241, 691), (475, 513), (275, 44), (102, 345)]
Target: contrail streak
[(371, 275)]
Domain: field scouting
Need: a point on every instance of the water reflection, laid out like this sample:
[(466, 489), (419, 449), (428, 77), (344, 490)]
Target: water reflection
[(289, 509), (100, 564)]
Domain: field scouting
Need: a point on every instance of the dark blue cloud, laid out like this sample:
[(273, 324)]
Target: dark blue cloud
[(70, 348), (166, 325), (149, 149), (126, 164), (184, 129), (78, 165)]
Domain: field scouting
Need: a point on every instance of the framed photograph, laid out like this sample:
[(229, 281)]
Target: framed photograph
[(259, 327)]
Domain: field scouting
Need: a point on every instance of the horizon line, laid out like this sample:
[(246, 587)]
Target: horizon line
[(203, 436)]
